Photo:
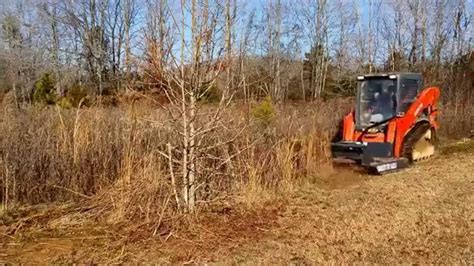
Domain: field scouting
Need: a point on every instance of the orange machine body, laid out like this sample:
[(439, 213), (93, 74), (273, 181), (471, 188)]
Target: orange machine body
[(424, 107)]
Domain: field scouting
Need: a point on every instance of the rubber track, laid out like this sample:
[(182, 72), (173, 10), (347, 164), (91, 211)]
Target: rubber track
[(411, 138)]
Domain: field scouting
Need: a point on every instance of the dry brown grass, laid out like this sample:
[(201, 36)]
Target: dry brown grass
[(105, 163), (457, 120), (112, 157), (421, 215), (58, 155)]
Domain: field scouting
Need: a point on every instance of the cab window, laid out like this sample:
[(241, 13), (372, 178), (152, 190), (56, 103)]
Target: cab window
[(408, 92)]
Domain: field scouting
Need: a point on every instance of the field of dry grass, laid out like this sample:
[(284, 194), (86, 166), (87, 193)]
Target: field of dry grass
[(420, 215), (92, 185)]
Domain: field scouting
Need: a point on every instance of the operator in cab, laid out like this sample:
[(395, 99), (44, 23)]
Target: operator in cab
[(382, 106)]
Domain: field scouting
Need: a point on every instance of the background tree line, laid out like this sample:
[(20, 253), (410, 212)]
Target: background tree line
[(55, 51)]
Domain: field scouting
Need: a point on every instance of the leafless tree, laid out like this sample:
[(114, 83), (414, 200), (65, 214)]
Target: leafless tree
[(194, 70)]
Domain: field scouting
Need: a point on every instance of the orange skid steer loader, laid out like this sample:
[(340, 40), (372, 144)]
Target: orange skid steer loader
[(393, 124)]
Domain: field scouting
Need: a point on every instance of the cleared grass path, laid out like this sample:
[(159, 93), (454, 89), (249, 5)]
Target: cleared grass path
[(422, 215)]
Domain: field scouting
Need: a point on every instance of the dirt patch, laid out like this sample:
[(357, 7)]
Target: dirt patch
[(38, 251), (339, 176), (219, 234), (420, 215), (216, 233)]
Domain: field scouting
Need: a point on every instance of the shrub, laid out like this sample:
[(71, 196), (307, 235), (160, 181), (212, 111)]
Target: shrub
[(264, 112), (64, 102), (44, 90), (76, 94)]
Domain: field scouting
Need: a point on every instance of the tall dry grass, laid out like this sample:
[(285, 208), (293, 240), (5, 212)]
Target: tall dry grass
[(114, 155), (457, 119)]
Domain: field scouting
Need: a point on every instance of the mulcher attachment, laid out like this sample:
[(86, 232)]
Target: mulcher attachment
[(386, 166), (377, 158)]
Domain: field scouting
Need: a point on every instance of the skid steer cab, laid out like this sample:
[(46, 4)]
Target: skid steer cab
[(394, 123)]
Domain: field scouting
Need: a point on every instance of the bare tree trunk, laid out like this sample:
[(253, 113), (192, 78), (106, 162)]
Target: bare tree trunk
[(192, 106), (277, 43), (370, 36), (55, 53), (423, 34), (185, 163), (228, 45), (302, 85), (129, 11), (414, 7)]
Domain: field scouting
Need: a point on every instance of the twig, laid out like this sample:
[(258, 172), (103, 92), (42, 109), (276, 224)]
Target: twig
[(73, 192), (8, 236), (165, 205), (173, 181), (168, 236)]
